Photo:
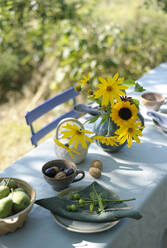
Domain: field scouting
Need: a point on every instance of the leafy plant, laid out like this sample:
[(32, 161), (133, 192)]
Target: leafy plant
[(78, 40), (95, 202)]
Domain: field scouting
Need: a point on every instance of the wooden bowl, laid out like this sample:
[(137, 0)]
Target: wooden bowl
[(152, 100), (13, 222)]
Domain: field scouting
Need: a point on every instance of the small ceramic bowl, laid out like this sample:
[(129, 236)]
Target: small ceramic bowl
[(13, 222), (152, 100), (62, 183)]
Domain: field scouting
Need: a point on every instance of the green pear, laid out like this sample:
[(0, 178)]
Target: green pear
[(20, 200), (4, 191), (6, 207), (19, 189)]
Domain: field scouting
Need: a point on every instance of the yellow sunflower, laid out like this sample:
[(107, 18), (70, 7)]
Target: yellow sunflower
[(109, 141), (110, 89), (123, 113), (69, 149), (75, 135), (130, 132), (85, 80)]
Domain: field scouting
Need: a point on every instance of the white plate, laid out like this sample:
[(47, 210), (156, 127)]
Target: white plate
[(80, 226)]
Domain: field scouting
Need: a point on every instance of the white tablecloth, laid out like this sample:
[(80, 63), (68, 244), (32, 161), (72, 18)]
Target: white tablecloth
[(139, 172)]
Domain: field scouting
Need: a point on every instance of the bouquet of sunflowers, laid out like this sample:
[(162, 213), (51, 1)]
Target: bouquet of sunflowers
[(113, 105)]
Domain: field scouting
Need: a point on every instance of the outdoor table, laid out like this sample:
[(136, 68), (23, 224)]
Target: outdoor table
[(139, 172)]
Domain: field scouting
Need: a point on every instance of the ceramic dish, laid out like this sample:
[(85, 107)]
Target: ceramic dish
[(152, 100), (78, 226), (62, 183)]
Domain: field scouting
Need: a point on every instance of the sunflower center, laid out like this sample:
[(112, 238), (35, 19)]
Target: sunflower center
[(109, 88), (130, 130), (125, 113), (78, 132)]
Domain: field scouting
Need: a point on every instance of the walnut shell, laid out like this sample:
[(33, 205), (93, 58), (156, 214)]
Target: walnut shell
[(97, 164), (95, 172), (60, 175), (56, 168)]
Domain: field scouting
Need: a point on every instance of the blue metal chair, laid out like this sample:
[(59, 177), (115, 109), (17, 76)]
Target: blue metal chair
[(45, 107)]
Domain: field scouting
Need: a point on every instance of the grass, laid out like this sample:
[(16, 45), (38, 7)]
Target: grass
[(14, 132), (15, 139)]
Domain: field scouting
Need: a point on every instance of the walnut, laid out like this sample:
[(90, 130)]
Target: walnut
[(97, 164), (60, 175), (56, 168), (95, 172)]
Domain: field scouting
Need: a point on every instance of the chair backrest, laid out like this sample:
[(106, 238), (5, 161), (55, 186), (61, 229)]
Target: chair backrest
[(45, 107)]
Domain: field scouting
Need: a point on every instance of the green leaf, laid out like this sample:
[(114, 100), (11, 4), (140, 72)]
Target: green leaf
[(58, 205), (91, 207), (104, 119), (100, 201), (93, 119), (99, 198), (129, 83), (139, 88), (92, 196), (136, 102), (98, 101)]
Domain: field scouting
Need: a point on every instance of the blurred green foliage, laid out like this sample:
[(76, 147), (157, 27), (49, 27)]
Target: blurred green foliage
[(70, 32), (28, 36)]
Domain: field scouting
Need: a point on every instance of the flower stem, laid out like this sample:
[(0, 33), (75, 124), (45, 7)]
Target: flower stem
[(113, 201), (109, 126)]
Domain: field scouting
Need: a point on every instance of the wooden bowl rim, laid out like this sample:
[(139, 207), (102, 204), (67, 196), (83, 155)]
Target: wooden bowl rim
[(161, 97)]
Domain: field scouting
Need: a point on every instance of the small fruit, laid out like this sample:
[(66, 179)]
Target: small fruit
[(6, 207), (61, 169), (20, 200), (56, 168), (69, 171), (50, 172), (68, 207), (76, 196), (97, 164), (4, 191), (95, 172), (19, 189), (60, 175), (74, 207), (72, 196), (81, 202)]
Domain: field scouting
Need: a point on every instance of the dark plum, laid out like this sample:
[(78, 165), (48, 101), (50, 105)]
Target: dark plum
[(50, 172), (61, 168), (68, 171)]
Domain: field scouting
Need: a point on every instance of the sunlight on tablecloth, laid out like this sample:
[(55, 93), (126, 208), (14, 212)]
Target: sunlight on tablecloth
[(88, 244)]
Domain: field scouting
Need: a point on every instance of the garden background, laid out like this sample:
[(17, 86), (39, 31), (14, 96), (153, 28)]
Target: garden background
[(46, 46)]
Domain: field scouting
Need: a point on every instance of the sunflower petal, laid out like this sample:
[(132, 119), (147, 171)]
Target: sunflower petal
[(72, 156), (102, 80), (116, 76), (129, 140), (72, 139), (76, 142), (83, 142)]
